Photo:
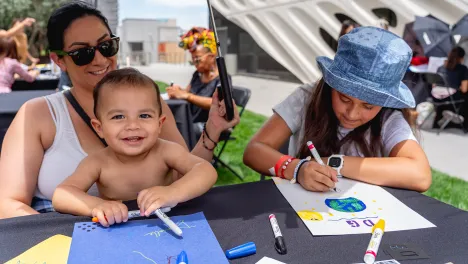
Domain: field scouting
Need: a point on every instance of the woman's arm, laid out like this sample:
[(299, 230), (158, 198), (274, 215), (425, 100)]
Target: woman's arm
[(200, 101), (214, 126), (464, 86), (21, 158), (407, 167)]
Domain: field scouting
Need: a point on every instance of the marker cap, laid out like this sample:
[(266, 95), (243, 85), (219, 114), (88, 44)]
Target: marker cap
[(241, 251), (380, 224), (182, 258), (280, 245)]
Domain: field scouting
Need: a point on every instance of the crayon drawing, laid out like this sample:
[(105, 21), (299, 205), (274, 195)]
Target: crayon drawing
[(146, 241), (354, 209)]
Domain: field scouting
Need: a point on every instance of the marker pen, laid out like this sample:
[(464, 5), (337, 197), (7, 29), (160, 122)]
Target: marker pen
[(280, 245), (373, 248), (316, 156), (136, 213), (168, 222)]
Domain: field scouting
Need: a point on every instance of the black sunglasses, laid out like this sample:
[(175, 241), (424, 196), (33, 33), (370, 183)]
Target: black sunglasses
[(84, 56)]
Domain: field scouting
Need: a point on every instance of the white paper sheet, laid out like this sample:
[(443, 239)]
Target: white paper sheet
[(267, 260), (353, 209)]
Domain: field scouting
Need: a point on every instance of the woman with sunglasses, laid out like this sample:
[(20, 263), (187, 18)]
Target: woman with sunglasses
[(201, 44), (50, 136)]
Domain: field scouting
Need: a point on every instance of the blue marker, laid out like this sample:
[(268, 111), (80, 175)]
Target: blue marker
[(182, 258)]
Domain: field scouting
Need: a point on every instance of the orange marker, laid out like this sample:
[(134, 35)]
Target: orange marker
[(136, 213)]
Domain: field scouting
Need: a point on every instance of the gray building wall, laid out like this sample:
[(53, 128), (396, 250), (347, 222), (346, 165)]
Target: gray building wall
[(148, 32)]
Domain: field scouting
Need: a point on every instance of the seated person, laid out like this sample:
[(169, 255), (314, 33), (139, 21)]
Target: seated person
[(456, 76), (136, 163), (201, 44), (357, 113), (9, 67)]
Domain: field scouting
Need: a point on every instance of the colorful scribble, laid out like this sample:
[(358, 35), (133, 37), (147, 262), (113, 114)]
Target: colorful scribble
[(310, 215), (348, 205)]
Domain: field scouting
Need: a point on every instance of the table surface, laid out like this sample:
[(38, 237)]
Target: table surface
[(38, 84), (239, 213)]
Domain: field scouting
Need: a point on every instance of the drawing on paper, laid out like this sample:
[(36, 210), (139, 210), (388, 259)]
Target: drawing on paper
[(352, 210), (310, 215), (182, 224), (347, 205)]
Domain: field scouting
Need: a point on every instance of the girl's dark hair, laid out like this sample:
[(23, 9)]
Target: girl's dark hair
[(12, 50), (125, 76), (4, 47), (321, 127), (453, 57), (346, 24), (63, 16)]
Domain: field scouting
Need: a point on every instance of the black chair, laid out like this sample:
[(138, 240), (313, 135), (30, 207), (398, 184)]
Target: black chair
[(456, 105), (241, 96)]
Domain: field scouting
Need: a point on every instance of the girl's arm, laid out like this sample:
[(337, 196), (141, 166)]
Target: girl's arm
[(27, 76), (406, 167)]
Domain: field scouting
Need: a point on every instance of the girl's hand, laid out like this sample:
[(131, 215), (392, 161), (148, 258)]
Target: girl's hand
[(317, 178)]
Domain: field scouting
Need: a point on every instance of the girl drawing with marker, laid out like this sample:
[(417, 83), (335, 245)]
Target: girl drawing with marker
[(357, 116)]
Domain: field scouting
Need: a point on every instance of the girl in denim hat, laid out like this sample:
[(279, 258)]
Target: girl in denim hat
[(357, 116)]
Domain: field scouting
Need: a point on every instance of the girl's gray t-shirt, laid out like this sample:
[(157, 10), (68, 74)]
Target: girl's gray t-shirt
[(292, 110)]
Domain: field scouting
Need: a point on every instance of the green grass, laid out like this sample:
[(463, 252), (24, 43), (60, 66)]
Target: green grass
[(449, 190), (162, 86), (445, 188)]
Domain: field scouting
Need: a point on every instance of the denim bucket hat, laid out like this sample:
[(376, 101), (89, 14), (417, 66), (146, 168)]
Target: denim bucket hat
[(369, 65)]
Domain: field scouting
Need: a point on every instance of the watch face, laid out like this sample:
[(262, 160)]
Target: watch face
[(334, 162)]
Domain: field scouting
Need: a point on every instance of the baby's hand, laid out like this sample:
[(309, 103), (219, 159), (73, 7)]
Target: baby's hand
[(111, 212), (156, 197)]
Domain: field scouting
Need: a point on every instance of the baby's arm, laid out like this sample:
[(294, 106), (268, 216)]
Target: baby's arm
[(199, 177), (71, 195)]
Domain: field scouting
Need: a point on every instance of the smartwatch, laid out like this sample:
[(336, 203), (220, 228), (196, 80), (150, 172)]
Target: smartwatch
[(336, 161)]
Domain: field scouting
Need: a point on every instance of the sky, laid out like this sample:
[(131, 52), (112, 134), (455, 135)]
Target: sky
[(188, 13)]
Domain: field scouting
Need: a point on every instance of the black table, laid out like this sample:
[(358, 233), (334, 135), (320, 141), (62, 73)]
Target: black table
[(239, 214), (45, 84), (10, 103)]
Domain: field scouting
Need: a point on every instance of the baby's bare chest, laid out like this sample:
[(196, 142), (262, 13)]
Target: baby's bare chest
[(125, 182)]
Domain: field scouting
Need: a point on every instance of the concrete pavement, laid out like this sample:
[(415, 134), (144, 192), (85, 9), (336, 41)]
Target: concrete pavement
[(446, 152)]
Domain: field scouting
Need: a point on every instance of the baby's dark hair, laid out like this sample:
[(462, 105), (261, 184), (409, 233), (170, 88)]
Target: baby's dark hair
[(125, 76)]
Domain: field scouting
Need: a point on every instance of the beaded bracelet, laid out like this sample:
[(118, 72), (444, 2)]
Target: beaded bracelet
[(296, 170), (280, 162), (285, 166)]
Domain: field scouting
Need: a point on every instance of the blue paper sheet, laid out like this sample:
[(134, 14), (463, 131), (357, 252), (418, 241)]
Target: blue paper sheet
[(145, 241)]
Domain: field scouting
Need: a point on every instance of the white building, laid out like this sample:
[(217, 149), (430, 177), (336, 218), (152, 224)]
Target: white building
[(294, 32), (142, 40)]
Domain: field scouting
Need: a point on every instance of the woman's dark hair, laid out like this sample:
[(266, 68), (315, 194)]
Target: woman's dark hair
[(63, 16), (321, 127), (346, 24), (453, 57), (125, 76)]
